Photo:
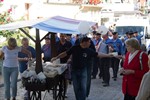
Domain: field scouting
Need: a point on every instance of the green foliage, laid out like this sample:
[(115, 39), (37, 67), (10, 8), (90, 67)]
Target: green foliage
[(5, 18)]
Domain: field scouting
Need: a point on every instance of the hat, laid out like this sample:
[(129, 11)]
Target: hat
[(114, 33), (69, 34), (127, 32), (135, 32), (130, 33), (94, 32), (98, 33)]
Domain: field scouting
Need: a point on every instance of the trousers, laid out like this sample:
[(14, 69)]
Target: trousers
[(10, 76)]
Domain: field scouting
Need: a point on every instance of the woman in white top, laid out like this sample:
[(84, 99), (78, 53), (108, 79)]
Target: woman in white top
[(10, 67)]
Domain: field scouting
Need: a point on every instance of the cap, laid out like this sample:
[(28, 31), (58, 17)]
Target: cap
[(130, 33), (94, 32), (114, 33), (127, 32), (69, 34), (135, 32), (98, 33)]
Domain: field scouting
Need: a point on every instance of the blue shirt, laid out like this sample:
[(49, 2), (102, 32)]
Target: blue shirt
[(108, 41), (96, 41), (57, 39), (46, 50), (72, 41), (117, 45), (23, 64), (139, 38)]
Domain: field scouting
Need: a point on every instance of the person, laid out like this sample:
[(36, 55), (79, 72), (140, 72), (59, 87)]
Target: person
[(123, 45), (92, 64), (81, 57), (61, 46), (56, 37), (46, 49), (131, 71), (22, 57), (143, 47), (104, 62), (95, 66), (69, 38), (105, 74), (10, 67), (144, 91), (126, 36), (131, 34), (138, 37), (116, 47)]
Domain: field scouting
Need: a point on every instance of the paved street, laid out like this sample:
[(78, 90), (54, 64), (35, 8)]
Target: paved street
[(98, 92)]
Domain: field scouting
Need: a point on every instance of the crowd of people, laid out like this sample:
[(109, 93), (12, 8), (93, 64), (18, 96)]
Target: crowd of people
[(89, 58)]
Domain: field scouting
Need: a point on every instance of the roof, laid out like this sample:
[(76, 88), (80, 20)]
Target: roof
[(56, 24)]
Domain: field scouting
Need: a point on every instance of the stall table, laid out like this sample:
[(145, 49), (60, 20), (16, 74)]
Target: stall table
[(54, 83)]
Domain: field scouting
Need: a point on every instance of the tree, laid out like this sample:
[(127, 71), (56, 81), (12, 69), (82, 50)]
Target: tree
[(5, 18)]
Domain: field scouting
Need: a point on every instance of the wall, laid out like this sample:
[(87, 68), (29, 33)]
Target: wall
[(81, 12)]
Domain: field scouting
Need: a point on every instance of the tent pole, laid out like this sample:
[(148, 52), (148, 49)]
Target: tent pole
[(53, 46), (27, 34), (38, 67), (45, 36)]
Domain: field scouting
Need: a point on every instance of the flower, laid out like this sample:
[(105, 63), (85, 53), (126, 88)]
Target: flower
[(9, 10), (1, 0)]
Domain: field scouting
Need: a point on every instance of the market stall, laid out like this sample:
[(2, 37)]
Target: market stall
[(52, 25)]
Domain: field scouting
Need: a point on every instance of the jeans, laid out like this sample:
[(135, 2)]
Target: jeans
[(79, 78), (10, 76), (89, 68)]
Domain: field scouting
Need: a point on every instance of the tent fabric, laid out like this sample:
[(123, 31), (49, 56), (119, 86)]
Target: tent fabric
[(20, 24), (56, 24)]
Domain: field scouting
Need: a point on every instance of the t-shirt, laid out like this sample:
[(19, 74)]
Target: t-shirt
[(46, 49), (10, 57), (23, 64), (81, 57), (61, 48)]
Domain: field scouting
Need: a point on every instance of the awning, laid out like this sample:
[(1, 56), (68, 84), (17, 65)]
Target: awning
[(57, 24)]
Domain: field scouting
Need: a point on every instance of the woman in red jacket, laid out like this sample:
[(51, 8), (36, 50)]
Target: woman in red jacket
[(131, 71)]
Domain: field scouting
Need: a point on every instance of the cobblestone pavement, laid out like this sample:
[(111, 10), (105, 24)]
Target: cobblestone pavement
[(98, 92)]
